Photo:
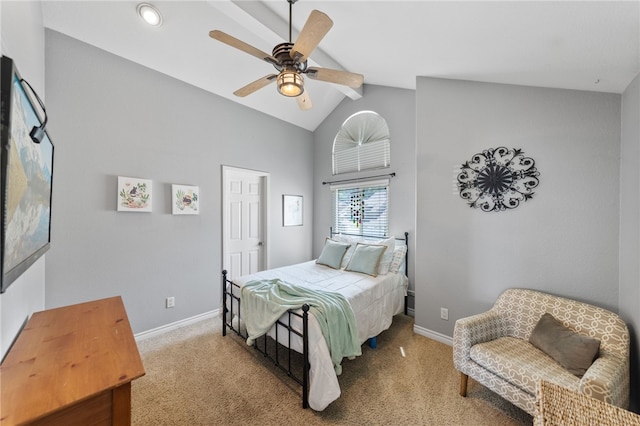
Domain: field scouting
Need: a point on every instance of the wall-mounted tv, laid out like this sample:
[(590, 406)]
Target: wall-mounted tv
[(26, 172)]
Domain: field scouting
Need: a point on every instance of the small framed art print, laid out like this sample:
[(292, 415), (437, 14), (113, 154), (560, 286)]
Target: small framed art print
[(134, 194), (292, 210), (186, 199)]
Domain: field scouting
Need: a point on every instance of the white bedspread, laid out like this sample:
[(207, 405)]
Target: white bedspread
[(374, 302)]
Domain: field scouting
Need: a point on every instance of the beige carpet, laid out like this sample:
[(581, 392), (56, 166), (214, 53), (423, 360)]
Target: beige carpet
[(197, 377)]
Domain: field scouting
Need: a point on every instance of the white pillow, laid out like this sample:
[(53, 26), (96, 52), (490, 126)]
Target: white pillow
[(397, 262), (385, 262)]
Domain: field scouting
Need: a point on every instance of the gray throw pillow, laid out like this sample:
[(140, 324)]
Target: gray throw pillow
[(575, 352)]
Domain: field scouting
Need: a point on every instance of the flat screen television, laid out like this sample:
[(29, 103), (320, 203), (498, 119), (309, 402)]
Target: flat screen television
[(26, 172)]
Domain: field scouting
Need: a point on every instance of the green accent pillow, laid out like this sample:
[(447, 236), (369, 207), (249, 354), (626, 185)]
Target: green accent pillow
[(575, 352), (366, 258), (332, 253)]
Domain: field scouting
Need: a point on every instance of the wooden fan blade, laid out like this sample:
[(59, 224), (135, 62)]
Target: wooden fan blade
[(241, 45), (256, 85), (317, 26), (334, 76), (304, 102)]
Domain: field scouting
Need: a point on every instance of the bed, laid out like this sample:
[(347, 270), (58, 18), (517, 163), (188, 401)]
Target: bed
[(374, 299)]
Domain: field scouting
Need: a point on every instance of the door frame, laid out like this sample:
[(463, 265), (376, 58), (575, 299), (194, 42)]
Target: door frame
[(264, 206)]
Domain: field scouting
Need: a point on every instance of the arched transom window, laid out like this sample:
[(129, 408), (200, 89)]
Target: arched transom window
[(362, 143)]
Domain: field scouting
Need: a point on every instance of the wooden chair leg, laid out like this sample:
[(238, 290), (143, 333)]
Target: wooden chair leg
[(463, 384)]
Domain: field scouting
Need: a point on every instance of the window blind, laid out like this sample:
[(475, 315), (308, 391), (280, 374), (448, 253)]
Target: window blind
[(361, 209), (362, 144), (371, 155)]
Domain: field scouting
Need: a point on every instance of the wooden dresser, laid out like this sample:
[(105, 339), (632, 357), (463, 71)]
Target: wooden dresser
[(71, 366)]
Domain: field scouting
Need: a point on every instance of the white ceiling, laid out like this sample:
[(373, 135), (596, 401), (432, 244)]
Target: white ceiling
[(584, 45)]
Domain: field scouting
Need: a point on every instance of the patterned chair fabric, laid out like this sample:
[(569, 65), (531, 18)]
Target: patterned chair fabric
[(493, 348)]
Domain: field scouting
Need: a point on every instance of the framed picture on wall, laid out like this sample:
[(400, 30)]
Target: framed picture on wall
[(186, 199), (134, 194), (292, 210)]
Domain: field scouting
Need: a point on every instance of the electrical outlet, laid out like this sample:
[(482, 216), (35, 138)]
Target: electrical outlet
[(171, 302), (444, 314)]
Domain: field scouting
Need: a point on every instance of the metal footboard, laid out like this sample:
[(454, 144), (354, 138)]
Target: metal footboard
[(229, 313)]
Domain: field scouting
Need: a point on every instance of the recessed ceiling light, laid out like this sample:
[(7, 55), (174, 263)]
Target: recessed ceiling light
[(149, 14)]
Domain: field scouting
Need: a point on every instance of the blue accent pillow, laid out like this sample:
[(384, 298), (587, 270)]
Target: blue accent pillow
[(332, 253), (366, 258)]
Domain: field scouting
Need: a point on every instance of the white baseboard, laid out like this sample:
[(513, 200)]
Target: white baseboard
[(174, 325), (439, 337)]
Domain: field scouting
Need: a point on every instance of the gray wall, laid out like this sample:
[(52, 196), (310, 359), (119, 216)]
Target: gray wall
[(397, 107), (22, 35), (629, 299), (564, 241), (110, 117)]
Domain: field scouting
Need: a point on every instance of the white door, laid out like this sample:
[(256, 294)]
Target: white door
[(244, 217)]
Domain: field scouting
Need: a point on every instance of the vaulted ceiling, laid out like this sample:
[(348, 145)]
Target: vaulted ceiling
[(583, 45)]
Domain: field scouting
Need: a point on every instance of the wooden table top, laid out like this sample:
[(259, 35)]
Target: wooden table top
[(67, 355)]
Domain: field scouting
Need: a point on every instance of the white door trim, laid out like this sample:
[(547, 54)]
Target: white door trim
[(264, 214)]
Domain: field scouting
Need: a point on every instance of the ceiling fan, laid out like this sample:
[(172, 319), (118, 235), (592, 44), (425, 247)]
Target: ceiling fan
[(290, 60)]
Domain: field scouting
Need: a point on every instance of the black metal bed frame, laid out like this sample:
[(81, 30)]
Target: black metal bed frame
[(227, 323)]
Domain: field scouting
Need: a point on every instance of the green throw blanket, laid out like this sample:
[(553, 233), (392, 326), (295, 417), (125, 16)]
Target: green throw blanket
[(262, 302)]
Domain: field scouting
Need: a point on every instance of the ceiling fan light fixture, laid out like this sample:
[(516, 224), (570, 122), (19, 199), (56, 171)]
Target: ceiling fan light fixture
[(149, 14), (290, 83), (290, 60)]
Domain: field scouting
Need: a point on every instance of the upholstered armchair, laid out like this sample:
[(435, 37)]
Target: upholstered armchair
[(493, 348)]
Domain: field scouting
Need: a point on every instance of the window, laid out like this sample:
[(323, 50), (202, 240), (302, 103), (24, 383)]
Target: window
[(362, 143), (361, 209)]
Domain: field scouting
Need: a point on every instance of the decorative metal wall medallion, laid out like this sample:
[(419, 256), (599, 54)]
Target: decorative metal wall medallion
[(498, 179)]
